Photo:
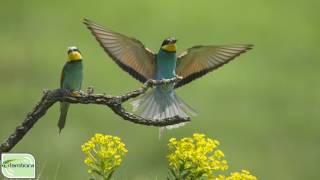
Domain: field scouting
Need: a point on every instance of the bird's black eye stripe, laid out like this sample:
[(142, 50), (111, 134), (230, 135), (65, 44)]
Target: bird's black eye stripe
[(168, 41), (165, 42), (70, 50)]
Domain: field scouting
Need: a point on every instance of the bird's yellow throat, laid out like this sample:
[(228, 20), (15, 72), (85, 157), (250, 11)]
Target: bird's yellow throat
[(74, 56), (170, 47)]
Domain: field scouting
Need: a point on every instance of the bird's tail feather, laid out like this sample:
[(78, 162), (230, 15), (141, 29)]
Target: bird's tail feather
[(157, 105), (63, 115)]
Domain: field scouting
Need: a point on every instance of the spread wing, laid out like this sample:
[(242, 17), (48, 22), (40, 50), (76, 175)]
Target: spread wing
[(130, 54), (199, 60)]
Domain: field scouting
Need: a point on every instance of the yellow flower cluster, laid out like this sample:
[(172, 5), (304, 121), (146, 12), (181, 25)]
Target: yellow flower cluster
[(198, 157), (243, 175), (103, 154), (195, 157)]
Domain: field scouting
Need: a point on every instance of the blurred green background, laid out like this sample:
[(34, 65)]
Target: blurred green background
[(263, 107)]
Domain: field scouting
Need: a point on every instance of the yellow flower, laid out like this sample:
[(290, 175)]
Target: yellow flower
[(197, 157), (103, 154), (243, 175)]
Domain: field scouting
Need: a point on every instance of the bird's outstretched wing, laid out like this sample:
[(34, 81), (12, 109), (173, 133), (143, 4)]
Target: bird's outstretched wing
[(130, 54), (199, 60)]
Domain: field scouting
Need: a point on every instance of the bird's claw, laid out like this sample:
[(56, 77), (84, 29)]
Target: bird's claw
[(179, 77), (76, 93), (151, 82), (165, 82)]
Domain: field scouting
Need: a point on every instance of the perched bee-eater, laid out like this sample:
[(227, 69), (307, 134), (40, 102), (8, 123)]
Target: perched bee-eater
[(71, 78), (132, 56)]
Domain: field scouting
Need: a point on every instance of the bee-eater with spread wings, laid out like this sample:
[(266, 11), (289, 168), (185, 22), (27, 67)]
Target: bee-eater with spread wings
[(132, 56)]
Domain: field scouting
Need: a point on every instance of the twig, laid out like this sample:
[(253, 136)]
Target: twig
[(50, 97)]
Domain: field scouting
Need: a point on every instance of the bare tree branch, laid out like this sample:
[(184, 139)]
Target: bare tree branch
[(50, 97)]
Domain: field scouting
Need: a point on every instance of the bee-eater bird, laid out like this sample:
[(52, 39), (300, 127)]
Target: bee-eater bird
[(132, 56), (71, 79)]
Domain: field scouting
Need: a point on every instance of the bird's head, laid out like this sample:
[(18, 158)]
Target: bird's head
[(74, 54), (169, 45)]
